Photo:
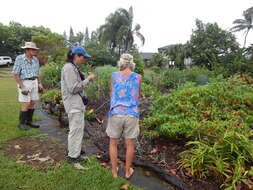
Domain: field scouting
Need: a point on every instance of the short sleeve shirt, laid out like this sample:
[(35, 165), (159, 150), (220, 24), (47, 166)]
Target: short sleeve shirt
[(26, 68)]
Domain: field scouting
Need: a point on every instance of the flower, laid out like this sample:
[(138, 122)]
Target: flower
[(90, 111)]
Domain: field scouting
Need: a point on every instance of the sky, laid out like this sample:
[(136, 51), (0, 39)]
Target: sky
[(163, 22)]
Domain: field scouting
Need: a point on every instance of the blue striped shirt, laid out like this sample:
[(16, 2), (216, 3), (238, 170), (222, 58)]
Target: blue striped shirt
[(26, 68)]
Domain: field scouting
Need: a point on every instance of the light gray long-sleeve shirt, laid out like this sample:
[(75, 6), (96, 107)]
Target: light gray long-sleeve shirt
[(71, 85)]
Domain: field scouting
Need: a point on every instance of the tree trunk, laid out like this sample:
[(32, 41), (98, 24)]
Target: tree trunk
[(245, 38), (126, 45)]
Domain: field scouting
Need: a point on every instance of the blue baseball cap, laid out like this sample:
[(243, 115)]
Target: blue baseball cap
[(80, 50)]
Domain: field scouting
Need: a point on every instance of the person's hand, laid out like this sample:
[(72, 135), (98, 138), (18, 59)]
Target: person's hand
[(91, 77), (24, 90), (40, 86)]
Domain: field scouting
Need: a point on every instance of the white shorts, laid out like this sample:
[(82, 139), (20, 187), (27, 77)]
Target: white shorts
[(33, 95)]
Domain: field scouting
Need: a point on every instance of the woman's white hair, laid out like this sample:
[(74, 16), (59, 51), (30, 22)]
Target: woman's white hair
[(126, 61)]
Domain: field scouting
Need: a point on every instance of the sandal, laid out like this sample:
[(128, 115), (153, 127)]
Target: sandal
[(131, 170)]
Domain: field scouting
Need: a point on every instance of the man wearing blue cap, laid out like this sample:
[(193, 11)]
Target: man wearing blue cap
[(73, 83)]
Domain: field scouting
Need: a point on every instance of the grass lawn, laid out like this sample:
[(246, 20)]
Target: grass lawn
[(20, 176), (9, 111)]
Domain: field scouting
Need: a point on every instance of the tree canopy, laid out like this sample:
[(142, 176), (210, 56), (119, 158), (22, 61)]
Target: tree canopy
[(210, 45), (13, 36)]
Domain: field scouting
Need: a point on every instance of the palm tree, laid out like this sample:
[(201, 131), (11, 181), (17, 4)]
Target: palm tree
[(118, 32), (244, 24), (128, 31), (107, 33)]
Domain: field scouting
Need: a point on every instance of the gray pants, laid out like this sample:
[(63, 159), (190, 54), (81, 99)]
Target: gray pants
[(75, 137)]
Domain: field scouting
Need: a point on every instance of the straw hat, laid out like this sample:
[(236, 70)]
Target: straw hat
[(29, 45)]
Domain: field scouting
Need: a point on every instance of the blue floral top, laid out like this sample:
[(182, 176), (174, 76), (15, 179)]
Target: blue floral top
[(125, 94)]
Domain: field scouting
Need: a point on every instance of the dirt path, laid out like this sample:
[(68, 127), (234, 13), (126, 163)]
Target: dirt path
[(52, 128)]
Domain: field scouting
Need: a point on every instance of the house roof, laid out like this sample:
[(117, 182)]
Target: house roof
[(161, 49), (146, 55)]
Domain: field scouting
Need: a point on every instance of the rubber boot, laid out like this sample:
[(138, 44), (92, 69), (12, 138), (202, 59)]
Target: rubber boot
[(22, 120), (29, 119)]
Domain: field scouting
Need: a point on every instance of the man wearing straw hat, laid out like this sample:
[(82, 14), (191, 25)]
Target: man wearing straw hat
[(26, 74)]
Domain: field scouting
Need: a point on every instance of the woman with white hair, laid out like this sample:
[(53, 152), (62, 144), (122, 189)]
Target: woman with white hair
[(124, 112)]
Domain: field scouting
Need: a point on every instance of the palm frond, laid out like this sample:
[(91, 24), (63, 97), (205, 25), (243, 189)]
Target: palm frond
[(131, 13), (137, 27), (238, 28), (248, 14), (239, 21), (141, 37)]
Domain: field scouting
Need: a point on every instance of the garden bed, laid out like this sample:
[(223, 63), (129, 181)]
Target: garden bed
[(159, 156)]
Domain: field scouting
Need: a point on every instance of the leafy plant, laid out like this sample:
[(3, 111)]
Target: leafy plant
[(225, 157), (217, 118), (50, 94), (99, 89), (51, 74), (191, 109), (173, 78)]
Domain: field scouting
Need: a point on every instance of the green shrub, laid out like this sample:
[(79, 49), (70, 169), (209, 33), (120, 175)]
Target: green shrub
[(217, 118), (150, 77), (139, 68), (200, 75), (156, 69), (225, 158), (147, 90), (202, 79), (51, 74), (190, 109), (99, 89), (100, 54), (50, 94), (173, 78), (58, 55), (154, 79)]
